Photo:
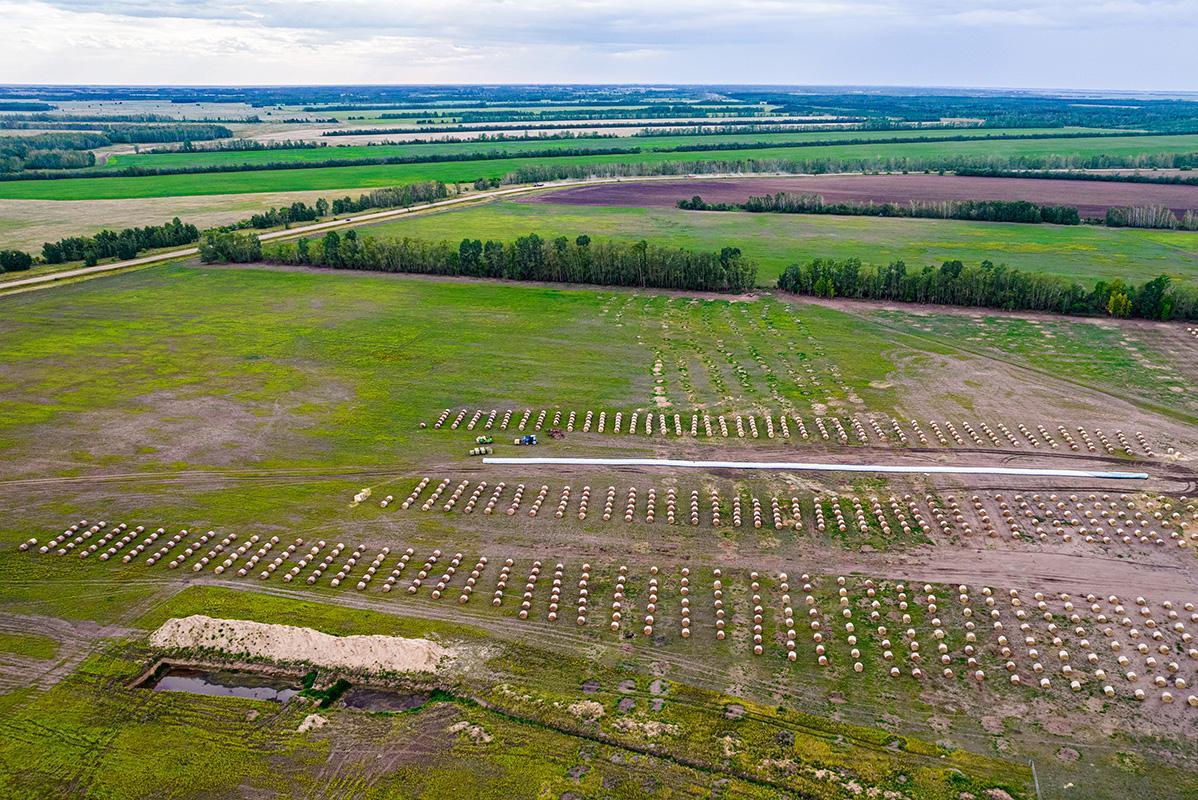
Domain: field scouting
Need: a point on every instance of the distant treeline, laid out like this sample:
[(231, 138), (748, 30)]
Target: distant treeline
[(498, 136), (990, 285), (25, 105), (995, 108), (528, 258), (52, 151), (426, 158), (122, 244), (972, 210), (1112, 177), (239, 145), (607, 101), (130, 133), (700, 146), (847, 125), (48, 151), (653, 111), (110, 118), (122, 118), (533, 173), (470, 128)]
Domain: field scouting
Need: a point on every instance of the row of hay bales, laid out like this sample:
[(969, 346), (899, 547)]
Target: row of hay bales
[(1043, 642), (830, 429), (1102, 519)]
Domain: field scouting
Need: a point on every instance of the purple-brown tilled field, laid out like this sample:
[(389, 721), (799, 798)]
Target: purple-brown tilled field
[(1092, 198)]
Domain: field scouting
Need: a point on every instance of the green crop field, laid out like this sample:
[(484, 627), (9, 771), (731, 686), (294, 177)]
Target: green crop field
[(332, 150), (467, 171), (1082, 253)]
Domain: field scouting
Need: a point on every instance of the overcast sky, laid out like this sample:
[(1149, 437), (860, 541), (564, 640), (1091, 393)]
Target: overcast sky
[(1085, 44)]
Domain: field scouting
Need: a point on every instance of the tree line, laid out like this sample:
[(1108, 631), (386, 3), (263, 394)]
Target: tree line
[(527, 258), (997, 110), (426, 117), (123, 244), (827, 126), (533, 173), (15, 260), (25, 105), (607, 101), (1022, 211), (238, 145), (131, 133), (532, 126), (48, 150), (1108, 177), (990, 285), (1160, 217), (426, 158), (700, 146), (973, 210)]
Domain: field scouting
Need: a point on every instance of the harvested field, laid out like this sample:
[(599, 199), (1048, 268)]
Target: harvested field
[(1092, 198), (26, 224)]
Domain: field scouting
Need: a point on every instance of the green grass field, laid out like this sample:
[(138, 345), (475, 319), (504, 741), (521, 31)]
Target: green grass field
[(531, 749), (257, 401), (30, 645), (1082, 253), (332, 150), (468, 171)]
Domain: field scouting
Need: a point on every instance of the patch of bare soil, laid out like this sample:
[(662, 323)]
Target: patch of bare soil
[(170, 428), (365, 746), (983, 385), (75, 639)]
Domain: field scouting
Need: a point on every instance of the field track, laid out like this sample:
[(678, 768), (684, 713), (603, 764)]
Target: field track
[(1092, 198)]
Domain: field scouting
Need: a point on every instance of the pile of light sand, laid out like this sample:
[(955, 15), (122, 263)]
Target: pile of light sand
[(286, 643), (311, 722)]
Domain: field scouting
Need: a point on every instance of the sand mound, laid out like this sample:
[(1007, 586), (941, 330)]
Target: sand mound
[(289, 643), (311, 723)]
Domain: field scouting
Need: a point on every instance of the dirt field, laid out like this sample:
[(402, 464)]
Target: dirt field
[(1092, 198)]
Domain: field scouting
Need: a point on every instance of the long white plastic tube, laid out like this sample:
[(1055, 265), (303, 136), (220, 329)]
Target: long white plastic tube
[(808, 466)]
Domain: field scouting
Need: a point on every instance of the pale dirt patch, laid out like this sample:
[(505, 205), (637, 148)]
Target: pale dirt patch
[(586, 709), (287, 643), (992, 724), (650, 729), (311, 723), (477, 733)]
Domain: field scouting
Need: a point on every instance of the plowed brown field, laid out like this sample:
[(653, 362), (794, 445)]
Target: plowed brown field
[(1092, 198)]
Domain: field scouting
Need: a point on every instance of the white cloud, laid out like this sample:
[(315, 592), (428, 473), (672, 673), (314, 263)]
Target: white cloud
[(992, 43)]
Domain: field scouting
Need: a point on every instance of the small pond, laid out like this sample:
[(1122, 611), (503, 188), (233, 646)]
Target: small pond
[(225, 683)]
